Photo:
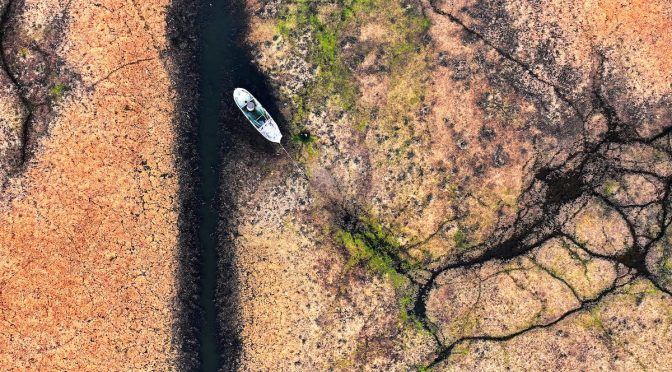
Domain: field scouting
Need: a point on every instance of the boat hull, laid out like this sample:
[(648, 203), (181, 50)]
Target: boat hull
[(260, 119)]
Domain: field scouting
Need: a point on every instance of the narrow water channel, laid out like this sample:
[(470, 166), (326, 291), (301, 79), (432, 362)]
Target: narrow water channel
[(213, 53), (224, 63)]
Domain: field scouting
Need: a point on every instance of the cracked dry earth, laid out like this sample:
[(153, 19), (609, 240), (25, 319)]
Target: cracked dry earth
[(488, 187), (88, 223)]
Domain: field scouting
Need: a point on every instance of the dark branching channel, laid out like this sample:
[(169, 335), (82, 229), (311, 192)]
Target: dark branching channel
[(589, 172)]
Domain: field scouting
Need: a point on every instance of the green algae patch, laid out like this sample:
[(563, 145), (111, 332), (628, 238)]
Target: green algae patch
[(376, 258), (372, 247), (369, 244), (406, 316), (57, 90)]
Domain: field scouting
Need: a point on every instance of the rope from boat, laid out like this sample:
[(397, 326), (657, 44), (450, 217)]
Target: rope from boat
[(296, 164), (335, 203)]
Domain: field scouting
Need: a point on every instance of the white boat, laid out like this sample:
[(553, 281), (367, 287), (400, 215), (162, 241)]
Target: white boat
[(257, 115)]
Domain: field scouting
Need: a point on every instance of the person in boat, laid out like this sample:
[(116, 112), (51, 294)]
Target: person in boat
[(251, 106)]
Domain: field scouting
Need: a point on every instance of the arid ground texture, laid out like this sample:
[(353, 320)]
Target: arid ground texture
[(475, 185), (88, 235)]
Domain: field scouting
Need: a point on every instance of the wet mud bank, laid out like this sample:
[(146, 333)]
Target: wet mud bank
[(243, 153), (215, 149), (183, 43)]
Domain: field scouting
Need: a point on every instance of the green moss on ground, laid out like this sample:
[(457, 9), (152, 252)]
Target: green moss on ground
[(328, 24), (375, 250), (611, 187), (57, 90), (371, 246), (462, 241)]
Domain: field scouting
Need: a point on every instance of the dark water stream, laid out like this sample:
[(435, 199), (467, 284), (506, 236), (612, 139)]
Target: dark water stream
[(223, 64)]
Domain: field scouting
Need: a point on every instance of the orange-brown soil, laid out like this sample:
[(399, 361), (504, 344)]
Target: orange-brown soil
[(88, 222)]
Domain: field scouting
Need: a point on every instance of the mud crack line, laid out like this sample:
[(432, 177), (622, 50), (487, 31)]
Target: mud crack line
[(27, 106)]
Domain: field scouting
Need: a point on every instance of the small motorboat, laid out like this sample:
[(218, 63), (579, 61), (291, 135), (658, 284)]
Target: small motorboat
[(257, 115)]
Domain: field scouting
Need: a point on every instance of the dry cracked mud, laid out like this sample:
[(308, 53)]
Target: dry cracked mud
[(488, 187), (88, 200)]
